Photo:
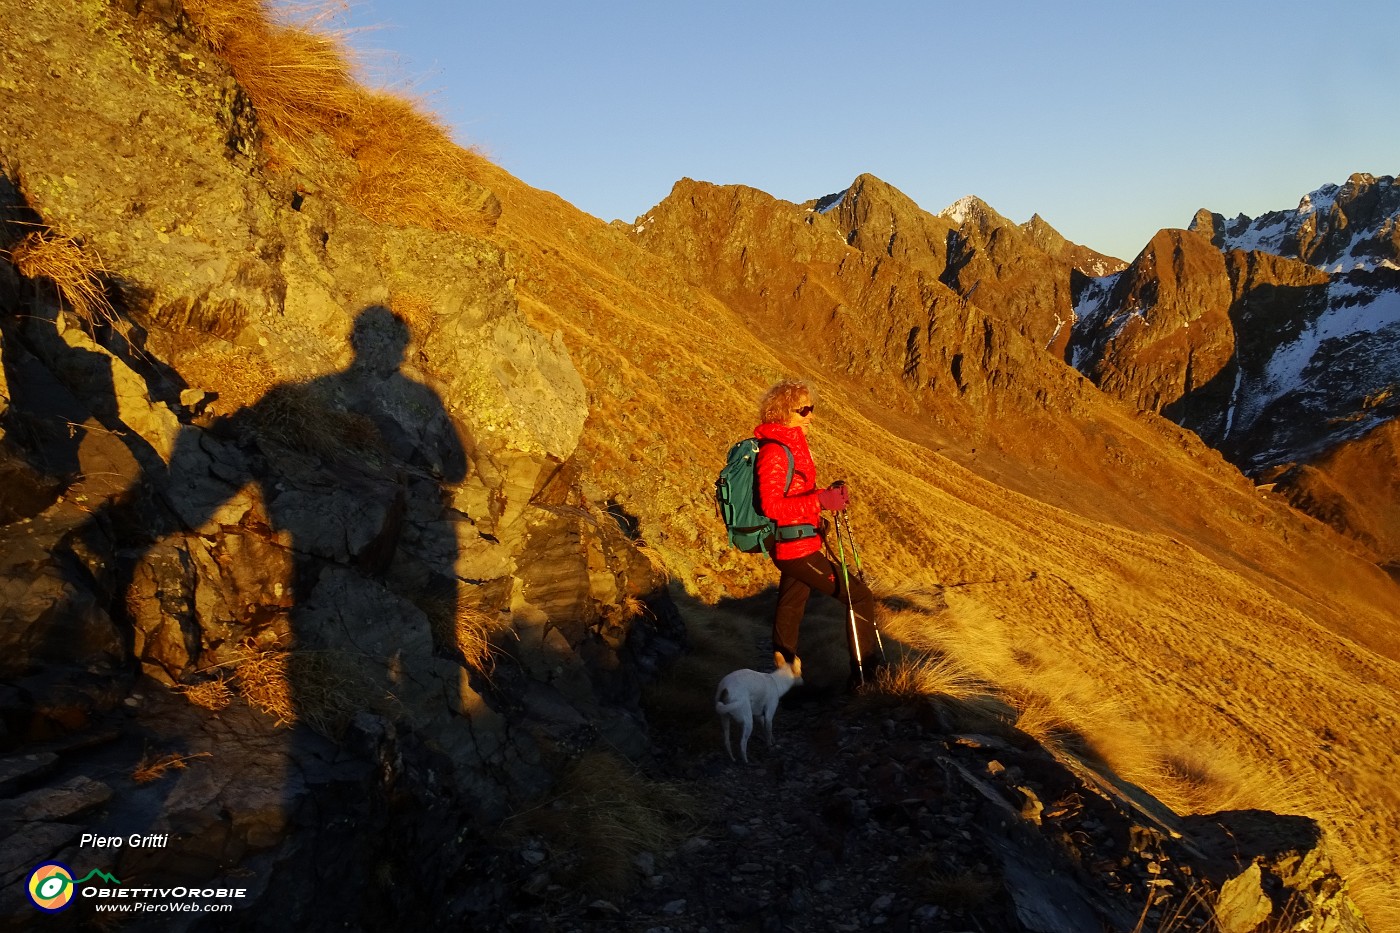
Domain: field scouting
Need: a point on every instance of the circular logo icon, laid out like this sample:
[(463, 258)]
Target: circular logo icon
[(51, 887)]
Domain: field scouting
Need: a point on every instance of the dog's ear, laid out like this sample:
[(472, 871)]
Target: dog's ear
[(797, 667), (779, 662)]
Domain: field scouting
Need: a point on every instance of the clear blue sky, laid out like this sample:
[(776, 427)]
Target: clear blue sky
[(1111, 120)]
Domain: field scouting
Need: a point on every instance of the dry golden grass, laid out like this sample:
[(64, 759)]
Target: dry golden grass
[(410, 170), (76, 272), (919, 676), (322, 689), (454, 620), (655, 558), (472, 632), (457, 621), (237, 375), (603, 816), (153, 769), (301, 80), (263, 680), (211, 694), (1371, 889), (1194, 775)]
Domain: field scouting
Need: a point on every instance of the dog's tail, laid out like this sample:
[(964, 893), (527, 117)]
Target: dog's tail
[(723, 705)]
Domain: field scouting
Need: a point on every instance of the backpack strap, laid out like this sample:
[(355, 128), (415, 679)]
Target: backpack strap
[(792, 461)]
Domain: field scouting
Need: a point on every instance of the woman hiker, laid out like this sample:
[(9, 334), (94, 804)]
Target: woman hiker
[(786, 411)]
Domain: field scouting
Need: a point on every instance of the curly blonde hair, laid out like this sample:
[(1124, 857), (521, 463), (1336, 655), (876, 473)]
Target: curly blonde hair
[(783, 399)]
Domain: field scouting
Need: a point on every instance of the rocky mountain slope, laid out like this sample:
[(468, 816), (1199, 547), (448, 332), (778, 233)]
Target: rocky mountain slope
[(292, 522), (341, 536), (1277, 340)]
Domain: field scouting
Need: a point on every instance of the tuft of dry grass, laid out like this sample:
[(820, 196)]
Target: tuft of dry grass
[(76, 272), (456, 621), (927, 675), (604, 815), (472, 632), (299, 77), (301, 80), (654, 558), (211, 694), (262, 679), (322, 689), (153, 769)]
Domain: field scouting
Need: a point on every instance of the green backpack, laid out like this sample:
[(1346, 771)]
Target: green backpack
[(736, 492)]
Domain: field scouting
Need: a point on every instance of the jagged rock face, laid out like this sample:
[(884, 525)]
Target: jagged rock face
[(319, 461), (1269, 359), (970, 248), (1336, 227), (1158, 334)]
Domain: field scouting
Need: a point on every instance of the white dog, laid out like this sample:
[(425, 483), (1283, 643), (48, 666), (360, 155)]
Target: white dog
[(745, 694)]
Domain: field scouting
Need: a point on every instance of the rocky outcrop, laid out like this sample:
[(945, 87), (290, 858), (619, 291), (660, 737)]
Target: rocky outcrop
[(1158, 334), (1292, 363), (889, 322), (292, 485)]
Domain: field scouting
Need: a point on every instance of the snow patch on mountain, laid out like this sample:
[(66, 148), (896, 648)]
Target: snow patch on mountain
[(1339, 228), (1091, 313), (959, 210), (1358, 331), (1267, 234), (829, 203)]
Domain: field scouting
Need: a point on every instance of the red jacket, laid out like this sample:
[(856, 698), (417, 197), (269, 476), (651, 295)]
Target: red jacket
[(797, 505)]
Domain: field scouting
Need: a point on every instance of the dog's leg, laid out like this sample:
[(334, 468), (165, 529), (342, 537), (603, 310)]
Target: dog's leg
[(724, 724), (744, 741)]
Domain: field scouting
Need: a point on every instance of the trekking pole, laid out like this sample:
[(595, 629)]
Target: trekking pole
[(879, 642), (850, 603)]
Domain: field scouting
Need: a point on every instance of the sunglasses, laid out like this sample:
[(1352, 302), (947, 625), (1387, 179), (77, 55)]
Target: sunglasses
[(805, 410)]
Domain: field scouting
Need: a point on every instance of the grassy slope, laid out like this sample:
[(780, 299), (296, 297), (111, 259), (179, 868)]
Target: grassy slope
[(1251, 660)]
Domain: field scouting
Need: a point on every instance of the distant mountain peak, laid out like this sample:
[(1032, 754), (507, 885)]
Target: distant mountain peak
[(969, 207)]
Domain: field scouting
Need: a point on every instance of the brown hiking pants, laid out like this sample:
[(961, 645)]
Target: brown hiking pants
[(817, 572)]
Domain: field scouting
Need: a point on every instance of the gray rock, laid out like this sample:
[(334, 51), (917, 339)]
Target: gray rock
[(24, 769), (67, 801)]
